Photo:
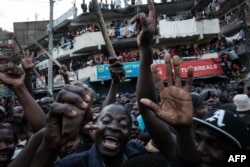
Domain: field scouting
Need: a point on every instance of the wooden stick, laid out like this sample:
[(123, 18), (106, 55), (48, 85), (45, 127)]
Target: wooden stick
[(47, 53), (101, 23)]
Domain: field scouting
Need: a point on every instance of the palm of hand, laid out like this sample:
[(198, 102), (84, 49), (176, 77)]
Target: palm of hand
[(27, 63), (27, 60), (176, 106)]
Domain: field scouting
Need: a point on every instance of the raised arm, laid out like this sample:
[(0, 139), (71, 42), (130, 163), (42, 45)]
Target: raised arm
[(176, 106), (26, 156), (64, 72), (28, 64), (72, 95), (158, 129), (13, 77), (117, 74)]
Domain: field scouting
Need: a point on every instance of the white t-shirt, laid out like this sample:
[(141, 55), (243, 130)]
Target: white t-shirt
[(118, 3)]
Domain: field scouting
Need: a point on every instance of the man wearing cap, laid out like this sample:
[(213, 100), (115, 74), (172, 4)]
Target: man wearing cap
[(214, 134), (206, 101), (242, 103)]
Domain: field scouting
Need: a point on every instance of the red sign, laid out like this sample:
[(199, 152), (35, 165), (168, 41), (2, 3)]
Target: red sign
[(202, 67)]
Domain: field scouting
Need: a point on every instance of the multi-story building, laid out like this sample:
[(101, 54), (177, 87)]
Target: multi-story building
[(7, 48), (234, 25), (187, 28)]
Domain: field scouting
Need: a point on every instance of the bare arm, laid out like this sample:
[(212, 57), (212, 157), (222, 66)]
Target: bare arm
[(25, 157), (64, 72), (28, 65), (117, 74), (13, 77), (75, 95), (145, 84), (176, 107)]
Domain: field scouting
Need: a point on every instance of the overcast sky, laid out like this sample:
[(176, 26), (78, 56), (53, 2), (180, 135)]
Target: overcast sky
[(31, 10)]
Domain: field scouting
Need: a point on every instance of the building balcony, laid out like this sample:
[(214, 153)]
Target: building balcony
[(232, 27), (6, 45), (187, 28), (94, 41)]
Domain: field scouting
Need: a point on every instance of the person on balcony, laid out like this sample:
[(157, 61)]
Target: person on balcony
[(70, 40), (90, 28), (138, 3), (91, 9), (125, 56), (106, 5), (84, 6), (101, 5), (96, 28), (133, 2), (111, 31), (125, 3), (98, 58), (33, 79), (63, 40), (112, 5), (117, 4), (226, 65)]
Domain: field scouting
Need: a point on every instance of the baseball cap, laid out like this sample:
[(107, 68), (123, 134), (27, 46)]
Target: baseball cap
[(198, 99), (227, 123), (242, 102)]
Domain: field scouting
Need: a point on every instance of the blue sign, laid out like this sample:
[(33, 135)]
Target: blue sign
[(131, 69)]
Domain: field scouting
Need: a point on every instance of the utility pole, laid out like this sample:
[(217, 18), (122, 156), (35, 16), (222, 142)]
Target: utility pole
[(50, 63)]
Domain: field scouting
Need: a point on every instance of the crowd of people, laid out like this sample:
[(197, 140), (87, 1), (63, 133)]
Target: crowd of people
[(161, 124), (120, 28), (113, 4)]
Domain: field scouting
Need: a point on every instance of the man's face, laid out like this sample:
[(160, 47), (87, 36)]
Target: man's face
[(213, 101), (229, 87), (135, 111), (210, 146), (45, 104), (135, 127), (7, 145), (17, 114), (71, 146), (114, 130)]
